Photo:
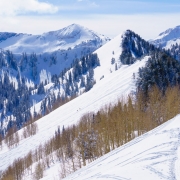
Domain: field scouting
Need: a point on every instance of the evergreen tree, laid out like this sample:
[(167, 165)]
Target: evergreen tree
[(33, 65), (161, 70), (41, 89)]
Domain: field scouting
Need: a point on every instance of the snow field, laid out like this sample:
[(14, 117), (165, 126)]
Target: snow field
[(154, 155), (108, 90)]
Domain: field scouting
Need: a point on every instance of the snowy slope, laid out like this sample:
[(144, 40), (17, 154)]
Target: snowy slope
[(110, 50), (55, 52), (113, 86), (63, 39), (167, 38), (106, 91), (152, 156)]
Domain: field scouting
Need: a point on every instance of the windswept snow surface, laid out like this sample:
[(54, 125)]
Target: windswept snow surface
[(108, 90), (152, 156)]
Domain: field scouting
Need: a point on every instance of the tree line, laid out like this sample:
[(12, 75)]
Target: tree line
[(15, 101), (98, 133), (160, 70), (74, 81)]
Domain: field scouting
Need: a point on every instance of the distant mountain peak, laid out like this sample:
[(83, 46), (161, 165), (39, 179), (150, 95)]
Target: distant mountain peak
[(171, 34), (67, 32), (75, 26), (133, 47), (69, 37), (74, 31)]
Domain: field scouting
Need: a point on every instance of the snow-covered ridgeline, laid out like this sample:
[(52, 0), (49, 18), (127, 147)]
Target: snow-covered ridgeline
[(167, 38), (153, 155), (63, 39), (108, 90)]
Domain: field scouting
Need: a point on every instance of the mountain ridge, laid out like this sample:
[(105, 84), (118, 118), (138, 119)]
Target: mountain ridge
[(167, 38), (106, 76), (68, 37), (114, 78)]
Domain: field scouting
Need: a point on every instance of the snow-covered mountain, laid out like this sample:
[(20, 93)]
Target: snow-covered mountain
[(70, 37), (108, 90), (57, 70), (112, 81), (167, 38), (115, 77), (34, 59), (170, 41), (53, 51)]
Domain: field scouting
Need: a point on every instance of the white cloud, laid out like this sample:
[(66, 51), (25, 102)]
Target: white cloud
[(148, 26), (15, 7)]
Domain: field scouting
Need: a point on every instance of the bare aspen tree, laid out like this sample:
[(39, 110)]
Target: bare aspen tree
[(34, 128), (25, 133), (18, 168), (35, 156), (40, 152), (28, 161), (16, 139), (96, 134), (39, 171)]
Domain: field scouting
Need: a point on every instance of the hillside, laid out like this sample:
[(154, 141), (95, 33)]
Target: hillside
[(120, 62), (154, 155), (106, 91), (113, 86), (52, 51), (32, 64), (45, 78)]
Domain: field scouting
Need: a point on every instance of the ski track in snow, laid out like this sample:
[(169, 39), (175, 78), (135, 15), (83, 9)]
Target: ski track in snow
[(159, 160), (177, 162)]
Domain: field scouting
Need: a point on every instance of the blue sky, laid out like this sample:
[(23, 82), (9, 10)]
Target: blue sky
[(116, 6), (109, 17)]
